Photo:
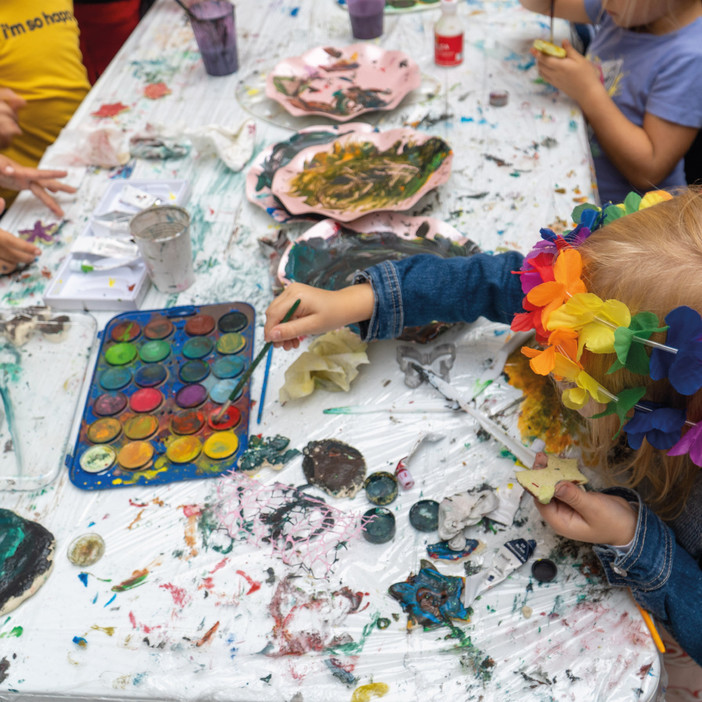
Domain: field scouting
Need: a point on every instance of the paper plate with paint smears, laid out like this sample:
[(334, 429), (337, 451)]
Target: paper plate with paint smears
[(328, 254), (357, 174), (275, 156), (342, 83)]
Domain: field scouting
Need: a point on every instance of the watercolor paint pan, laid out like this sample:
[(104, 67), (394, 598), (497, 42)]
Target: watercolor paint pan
[(160, 379)]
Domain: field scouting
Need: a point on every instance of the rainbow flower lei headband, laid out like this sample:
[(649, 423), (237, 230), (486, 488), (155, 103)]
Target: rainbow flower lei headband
[(568, 319)]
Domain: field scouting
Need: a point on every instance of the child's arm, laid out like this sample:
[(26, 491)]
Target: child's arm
[(571, 10), (411, 292), (663, 577), (644, 155)]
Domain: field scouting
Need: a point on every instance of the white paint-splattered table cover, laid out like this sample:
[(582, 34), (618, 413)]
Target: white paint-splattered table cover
[(180, 607)]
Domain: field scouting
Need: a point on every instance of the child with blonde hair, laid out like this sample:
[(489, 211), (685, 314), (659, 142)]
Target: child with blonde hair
[(639, 87), (615, 304)]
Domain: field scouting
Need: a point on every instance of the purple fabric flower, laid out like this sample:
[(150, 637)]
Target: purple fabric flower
[(684, 368), (691, 443), (661, 426)]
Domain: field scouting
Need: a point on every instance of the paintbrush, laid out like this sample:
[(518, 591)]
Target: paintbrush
[(266, 373), (648, 621), (187, 9), (553, 5), (247, 374)]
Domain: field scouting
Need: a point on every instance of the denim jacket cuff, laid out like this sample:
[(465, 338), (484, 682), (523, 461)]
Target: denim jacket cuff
[(386, 322), (647, 563)]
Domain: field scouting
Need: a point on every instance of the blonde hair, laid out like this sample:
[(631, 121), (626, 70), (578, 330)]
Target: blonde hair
[(652, 261)]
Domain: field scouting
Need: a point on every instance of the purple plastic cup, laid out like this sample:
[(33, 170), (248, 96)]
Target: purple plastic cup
[(215, 32), (366, 18)]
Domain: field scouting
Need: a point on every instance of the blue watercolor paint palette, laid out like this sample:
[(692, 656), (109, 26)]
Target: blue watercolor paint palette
[(160, 380)]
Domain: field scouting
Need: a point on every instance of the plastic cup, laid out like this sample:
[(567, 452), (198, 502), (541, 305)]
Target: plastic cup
[(215, 32), (162, 235), (366, 18)]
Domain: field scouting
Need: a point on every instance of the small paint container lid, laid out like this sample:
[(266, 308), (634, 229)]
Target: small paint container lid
[(97, 459), (424, 515), (381, 488), (86, 550), (499, 98), (379, 525), (544, 570)]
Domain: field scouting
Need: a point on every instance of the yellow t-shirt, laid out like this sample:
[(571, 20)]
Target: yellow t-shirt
[(40, 60)]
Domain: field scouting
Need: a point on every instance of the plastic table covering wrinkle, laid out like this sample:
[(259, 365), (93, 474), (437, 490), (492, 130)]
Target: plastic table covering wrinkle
[(180, 608)]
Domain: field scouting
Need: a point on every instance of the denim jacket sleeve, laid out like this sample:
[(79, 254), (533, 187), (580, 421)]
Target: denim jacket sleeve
[(664, 578), (426, 288)]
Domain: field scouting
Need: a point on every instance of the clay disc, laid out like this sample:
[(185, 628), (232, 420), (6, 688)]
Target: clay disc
[(26, 559), (337, 468)]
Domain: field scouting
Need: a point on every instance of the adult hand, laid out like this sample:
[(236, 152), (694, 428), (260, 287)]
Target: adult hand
[(592, 517), (10, 104), (319, 311), (573, 74), (13, 250), (16, 177)]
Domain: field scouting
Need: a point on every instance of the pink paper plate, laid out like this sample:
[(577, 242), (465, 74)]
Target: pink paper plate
[(268, 161), (342, 83), (357, 174)]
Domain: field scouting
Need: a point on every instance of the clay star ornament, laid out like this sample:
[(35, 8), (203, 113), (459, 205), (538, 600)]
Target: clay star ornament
[(110, 110), (40, 232), (430, 598), (542, 482), (154, 91)]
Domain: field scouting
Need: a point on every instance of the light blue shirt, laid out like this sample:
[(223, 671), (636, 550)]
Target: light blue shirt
[(658, 74)]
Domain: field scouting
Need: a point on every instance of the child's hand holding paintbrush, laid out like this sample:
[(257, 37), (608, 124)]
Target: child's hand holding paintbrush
[(247, 373)]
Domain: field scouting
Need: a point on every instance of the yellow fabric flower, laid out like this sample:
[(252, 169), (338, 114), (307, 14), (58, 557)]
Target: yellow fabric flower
[(586, 387), (594, 318), (653, 198)]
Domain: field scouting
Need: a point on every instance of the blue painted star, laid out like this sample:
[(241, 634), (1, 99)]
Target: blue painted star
[(430, 598)]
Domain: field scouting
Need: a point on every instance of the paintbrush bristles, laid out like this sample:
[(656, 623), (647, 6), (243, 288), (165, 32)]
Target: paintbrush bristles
[(247, 374), (187, 9)]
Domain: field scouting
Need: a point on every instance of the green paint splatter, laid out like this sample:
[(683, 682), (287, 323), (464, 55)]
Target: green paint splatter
[(355, 647), (15, 632)]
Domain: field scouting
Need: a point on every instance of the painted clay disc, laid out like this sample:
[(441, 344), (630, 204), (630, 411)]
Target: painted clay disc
[(26, 559), (337, 468)]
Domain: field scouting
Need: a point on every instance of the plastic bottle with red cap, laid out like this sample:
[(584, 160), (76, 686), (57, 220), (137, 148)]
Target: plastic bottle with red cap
[(448, 36)]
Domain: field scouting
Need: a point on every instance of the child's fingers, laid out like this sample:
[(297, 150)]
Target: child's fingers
[(292, 330), (16, 250)]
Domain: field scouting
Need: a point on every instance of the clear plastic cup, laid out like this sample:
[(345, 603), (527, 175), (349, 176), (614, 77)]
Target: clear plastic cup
[(366, 18), (214, 27)]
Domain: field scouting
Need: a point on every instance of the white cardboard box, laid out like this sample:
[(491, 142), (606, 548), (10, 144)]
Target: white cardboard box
[(121, 288)]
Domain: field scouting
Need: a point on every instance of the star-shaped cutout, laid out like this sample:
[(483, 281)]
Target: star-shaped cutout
[(542, 482), (110, 110), (154, 91), (45, 233)]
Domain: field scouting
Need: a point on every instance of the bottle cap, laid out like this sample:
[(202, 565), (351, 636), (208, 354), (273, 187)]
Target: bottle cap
[(449, 6)]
